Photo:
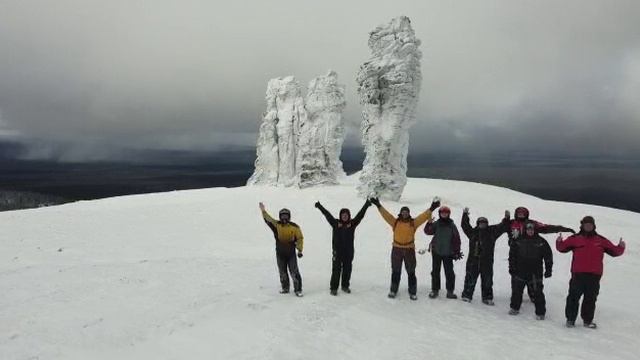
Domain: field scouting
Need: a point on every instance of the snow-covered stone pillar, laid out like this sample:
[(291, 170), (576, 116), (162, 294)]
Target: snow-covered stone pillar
[(278, 138), (322, 132), (388, 86)]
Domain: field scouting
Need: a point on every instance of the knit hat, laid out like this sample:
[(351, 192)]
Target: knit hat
[(482, 220), (588, 220)]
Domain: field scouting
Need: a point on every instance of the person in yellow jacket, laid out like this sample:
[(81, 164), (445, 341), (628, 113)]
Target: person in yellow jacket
[(404, 249), (288, 238)]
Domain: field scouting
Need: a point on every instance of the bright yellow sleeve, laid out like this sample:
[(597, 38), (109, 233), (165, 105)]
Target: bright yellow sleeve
[(390, 219), (299, 239), (422, 218), (268, 217)]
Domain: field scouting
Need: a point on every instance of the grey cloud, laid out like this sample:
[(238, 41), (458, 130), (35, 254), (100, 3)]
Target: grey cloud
[(498, 75)]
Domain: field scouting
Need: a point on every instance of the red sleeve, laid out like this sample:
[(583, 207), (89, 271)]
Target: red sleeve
[(610, 249), (566, 245)]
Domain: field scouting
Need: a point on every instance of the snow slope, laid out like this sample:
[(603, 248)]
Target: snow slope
[(192, 275)]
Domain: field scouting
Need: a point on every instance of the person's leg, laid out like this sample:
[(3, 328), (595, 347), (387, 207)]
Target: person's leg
[(282, 271), (517, 287), (573, 298), (591, 291), (449, 274), (347, 262), (410, 267), (538, 292), (396, 268), (295, 273), (436, 261), (336, 267), (470, 278), (486, 271)]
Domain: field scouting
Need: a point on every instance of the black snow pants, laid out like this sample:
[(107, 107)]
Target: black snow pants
[(535, 286), (408, 256), (288, 260), (478, 267), (436, 264), (587, 285), (341, 266)]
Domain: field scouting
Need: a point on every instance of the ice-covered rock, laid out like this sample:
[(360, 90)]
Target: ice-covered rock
[(278, 137), (322, 132), (388, 86)]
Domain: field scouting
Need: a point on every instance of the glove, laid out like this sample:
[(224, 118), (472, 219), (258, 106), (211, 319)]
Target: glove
[(512, 272), (368, 203), (458, 256), (547, 274), (465, 211), (507, 214), (435, 203), (299, 254), (317, 204), (375, 201)]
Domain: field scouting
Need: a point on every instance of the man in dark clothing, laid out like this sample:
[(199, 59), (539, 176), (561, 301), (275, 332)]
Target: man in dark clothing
[(342, 243), (482, 241), (288, 238), (444, 247), (526, 256), (588, 249)]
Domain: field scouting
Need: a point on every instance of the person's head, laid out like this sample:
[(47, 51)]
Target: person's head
[(588, 224), (444, 212), (482, 223), (522, 213), (530, 229), (345, 215), (405, 213), (284, 215)]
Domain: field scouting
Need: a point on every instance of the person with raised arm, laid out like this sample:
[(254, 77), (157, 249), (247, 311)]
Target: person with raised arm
[(588, 249), (288, 238), (403, 251), (445, 248), (343, 232)]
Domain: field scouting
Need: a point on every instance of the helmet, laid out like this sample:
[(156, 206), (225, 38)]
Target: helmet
[(444, 209), (284, 212)]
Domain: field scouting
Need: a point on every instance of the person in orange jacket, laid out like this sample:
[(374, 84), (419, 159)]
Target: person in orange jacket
[(404, 228), (288, 238)]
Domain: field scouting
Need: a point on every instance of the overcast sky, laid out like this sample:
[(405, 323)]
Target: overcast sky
[(558, 76)]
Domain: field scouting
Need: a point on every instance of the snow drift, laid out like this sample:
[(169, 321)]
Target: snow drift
[(192, 275)]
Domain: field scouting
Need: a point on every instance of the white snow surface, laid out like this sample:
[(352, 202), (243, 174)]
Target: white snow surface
[(388, 86), (192, 275)]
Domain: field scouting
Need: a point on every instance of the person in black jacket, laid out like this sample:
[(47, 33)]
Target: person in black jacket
[(482, 241), (342, 243), (526, 255)]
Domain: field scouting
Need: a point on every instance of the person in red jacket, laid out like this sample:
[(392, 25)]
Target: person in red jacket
[(586, 269)]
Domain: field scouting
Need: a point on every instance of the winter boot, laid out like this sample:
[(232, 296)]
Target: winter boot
[(333, 292), (433, 294), (451, 295), (284, 291), (591, 325), (346, 290), (514, 312), (539, 317), (488, 302), (413, 297), (392, 295), (466, 299), (299, 293), (570, 324)]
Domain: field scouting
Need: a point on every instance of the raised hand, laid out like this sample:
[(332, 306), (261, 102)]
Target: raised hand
[(375, 201), (435, 203), (261, 206), (622, 243), (465, 211), (507, 214), (559, 238), (317, 204)]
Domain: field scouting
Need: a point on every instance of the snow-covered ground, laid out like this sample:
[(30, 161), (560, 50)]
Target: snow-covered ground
[(192, 275)]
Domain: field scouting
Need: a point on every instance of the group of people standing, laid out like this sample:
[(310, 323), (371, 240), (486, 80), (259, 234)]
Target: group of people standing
[(530, 256)]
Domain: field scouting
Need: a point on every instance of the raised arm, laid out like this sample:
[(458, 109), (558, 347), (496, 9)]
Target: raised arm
[(498, 229), (613, 250), (427, 215), (466, 225), (332, 221), (360, 215), (265, 215), (551, 229)]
